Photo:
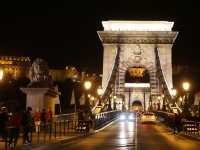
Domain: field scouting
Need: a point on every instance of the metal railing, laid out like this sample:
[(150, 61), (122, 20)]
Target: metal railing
[(188, 127), (61, 126), (48, 132), (104, 118), (191, 128)]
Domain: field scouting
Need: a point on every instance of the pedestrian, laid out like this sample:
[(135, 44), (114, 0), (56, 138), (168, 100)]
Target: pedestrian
[(43, 118), (49, 116), (37, 120), (176, 123), (80, 120), (49, 120), (3, 122), (87, 120), (27, 122), (15, 122)]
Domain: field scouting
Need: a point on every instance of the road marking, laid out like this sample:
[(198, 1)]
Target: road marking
[(105, 126)]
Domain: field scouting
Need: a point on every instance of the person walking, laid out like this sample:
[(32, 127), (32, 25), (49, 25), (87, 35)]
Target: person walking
[(15, 122), (27, 122), (3, 122), (49, 116), (49, 120), (176, 123), (43, 119), (37, 120)]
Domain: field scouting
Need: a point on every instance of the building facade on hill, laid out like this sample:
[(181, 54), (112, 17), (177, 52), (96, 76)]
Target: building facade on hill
[(15, 66)]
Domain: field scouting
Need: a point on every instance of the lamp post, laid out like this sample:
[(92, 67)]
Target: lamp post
[(92, 99), (174, 92), (186, 87), (114, 103), (181, 100), (1, 74), (87, 86), (99, 92), (159, 99)]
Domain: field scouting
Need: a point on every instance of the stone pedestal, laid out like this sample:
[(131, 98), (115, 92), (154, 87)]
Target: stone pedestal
[(41, 98)]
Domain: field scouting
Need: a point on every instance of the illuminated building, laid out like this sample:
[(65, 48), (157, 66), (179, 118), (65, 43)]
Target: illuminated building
[(15, 66)]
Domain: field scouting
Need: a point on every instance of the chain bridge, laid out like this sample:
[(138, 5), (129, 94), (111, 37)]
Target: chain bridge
[(137, 65)]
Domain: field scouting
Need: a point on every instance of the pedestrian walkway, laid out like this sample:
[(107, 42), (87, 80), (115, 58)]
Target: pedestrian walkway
[(60, 131), (42, 141)]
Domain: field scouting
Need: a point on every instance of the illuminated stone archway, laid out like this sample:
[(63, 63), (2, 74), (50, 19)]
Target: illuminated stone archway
[(136, 42)]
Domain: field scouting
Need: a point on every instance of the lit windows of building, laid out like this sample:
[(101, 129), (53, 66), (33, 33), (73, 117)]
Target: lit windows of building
[(15, 66)]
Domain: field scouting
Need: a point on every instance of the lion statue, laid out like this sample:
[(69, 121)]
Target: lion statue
[(39, 73)]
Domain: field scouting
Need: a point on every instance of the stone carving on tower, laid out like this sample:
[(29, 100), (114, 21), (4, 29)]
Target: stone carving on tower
[(39, 74)]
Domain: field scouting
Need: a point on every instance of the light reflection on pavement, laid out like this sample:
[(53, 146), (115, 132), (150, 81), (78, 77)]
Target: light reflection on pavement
[(119, 136), (158, 137), (122, 136)]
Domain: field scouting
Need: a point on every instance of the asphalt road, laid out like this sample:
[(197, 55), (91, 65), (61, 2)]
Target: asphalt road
[(158, 137), (118, 136), (122, 136)]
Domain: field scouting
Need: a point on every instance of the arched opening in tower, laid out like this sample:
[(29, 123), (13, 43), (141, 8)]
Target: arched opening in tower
[(136, 106)]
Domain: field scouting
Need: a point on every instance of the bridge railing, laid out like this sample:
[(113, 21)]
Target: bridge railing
[(188, 127), (60, 126), (191, 127), (101, 119), (70, 116)]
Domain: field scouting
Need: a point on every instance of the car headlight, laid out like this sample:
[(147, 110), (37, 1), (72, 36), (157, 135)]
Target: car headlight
[(122, 117), (130, 117)]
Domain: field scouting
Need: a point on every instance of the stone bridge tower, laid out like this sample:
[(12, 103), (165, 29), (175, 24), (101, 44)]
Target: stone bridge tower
[(137, 41)]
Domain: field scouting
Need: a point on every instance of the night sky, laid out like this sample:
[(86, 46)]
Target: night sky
[(64, 32)]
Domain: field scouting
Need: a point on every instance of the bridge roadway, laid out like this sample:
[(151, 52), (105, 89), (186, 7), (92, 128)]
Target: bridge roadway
[(122, 136)]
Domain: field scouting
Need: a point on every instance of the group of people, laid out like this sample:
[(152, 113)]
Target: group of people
[(11, 125)]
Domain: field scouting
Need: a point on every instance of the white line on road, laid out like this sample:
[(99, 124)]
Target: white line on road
[(105, 126)]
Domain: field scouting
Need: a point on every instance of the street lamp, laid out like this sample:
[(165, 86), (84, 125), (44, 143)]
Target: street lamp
[(87, 86), (163, 102), (114, 104), (1, 73), (181, 100), (99, 92), (158, 104), (186, 87), (173, 92)]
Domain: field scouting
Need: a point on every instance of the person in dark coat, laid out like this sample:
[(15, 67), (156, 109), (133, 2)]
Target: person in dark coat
[(3, 122), (176, 123), (27, 122), (15, 122)]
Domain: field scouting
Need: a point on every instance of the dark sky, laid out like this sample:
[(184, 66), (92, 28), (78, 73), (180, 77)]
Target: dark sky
[(64, 32)]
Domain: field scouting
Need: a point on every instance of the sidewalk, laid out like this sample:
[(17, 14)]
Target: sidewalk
[(39, 142), (56, 143), (189, 136), (52, 143)]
